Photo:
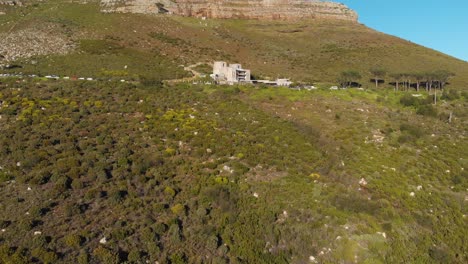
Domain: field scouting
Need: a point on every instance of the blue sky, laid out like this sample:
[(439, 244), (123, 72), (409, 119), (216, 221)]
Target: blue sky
[(440, 25)]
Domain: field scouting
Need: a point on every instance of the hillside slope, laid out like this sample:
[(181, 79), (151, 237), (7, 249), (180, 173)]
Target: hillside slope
[(306, 50), (128, 169)]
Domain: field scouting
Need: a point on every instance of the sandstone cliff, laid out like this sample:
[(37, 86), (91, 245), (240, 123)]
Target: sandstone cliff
[(248, 9)]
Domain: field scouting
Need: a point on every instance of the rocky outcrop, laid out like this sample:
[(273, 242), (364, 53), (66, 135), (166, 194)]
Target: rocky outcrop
[(36, 41), (11, 3), (247, 9)]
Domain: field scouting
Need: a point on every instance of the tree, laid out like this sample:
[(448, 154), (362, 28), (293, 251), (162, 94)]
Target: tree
[(397, 77), (429, 76), (419, 77), (346, 78), (378, 74), (442, 76)]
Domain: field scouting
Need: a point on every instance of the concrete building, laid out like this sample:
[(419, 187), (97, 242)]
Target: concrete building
[(232, 73)]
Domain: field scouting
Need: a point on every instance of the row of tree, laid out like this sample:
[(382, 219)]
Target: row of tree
[(435, 79)]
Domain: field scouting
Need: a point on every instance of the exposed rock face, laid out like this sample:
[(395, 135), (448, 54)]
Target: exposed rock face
[(248, 9)]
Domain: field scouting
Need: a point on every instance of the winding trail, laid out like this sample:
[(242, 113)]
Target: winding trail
[(189, 68)]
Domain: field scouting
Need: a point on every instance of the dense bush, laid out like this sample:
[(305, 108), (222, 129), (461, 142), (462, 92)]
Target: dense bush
[(202, 175), (427, 110)]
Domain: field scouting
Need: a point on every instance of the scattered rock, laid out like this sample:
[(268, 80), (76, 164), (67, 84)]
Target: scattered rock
[(363, 182), (103, 240), (38, 40), (228, 169), (382, 234)]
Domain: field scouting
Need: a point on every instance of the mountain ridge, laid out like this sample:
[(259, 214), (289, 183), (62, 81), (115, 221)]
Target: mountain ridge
[(258, 9)]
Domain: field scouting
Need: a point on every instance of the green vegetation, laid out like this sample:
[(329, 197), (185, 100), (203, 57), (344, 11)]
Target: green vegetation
[(189, 173), (143, 171)]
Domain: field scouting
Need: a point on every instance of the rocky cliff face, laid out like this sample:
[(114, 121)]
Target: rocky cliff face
[(248, 9)]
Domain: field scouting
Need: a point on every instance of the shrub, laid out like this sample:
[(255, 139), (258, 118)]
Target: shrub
[(169, 191), (409, 100), (106, 256), (74, 240), (44, 255), (83, 257), (135, 256), (178, 209), (451, 95), (62, 184), (427, 110), (118, 196), (4, 176), (413, 130), (177, 258)]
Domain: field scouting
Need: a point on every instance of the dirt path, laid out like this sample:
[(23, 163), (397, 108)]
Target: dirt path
[(190, 69)]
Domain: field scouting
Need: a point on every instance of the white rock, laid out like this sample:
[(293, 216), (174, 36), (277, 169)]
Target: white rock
[(3, 230), (18, 164), (419, 187), (103, 240), (29, 189), (411, 194), (208, 150), (36, 233), (363, 182), (255, 195), (228, 169), (312, 259)]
